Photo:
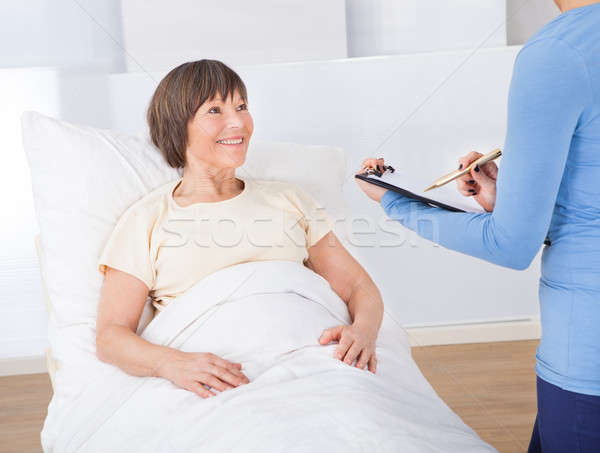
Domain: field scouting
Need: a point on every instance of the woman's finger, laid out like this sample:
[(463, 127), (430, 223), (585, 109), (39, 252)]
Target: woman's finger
[(227, 376), (214, 382), (199, 390), (219, 361), (353, 352), (363, 358), (373, 363), (343, 346)]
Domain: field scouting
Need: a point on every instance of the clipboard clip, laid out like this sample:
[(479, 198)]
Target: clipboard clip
[(373, 171)]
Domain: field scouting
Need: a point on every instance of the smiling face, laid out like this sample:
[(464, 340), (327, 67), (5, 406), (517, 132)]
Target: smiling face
[(219, 132)]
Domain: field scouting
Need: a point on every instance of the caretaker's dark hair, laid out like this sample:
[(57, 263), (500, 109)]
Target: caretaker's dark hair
[(177, 98)]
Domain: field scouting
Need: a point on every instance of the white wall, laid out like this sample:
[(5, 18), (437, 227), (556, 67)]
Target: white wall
[(23, 320), (161, 35), (389, 27), (524, 18), (61, 34), (138, 35), (154, 35)]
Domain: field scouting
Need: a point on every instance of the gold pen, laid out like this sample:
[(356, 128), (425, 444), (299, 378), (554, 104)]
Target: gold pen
[(458, 173)]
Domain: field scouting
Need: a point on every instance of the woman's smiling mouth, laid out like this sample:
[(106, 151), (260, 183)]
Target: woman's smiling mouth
[(231, 141)]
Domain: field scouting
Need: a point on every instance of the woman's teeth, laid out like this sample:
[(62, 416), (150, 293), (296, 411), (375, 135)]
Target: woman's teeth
[(230, 142)]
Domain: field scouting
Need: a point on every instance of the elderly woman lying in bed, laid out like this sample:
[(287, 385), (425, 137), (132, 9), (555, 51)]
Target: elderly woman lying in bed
[(210, 219)]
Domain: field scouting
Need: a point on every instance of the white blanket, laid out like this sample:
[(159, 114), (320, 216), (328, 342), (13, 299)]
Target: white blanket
[(267, 315)]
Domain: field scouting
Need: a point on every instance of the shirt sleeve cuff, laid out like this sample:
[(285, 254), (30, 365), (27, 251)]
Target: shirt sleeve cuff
[(388, 198)]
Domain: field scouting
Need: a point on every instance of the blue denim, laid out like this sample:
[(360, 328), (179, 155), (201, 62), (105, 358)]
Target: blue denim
[(566, 422)]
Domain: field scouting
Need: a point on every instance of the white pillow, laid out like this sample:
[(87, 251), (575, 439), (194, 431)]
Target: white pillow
[(84, 178)]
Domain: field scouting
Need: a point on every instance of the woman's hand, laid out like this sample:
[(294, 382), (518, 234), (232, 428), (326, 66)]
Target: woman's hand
[(373, 192), (355, 343), (193, 370), (480, 183)]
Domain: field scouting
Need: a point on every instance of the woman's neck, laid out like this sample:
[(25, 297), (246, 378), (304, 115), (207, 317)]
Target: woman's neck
[(566, 5), (201, 184)]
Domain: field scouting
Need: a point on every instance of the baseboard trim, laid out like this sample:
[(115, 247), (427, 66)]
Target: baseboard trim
[(481, 332), (23, 365)]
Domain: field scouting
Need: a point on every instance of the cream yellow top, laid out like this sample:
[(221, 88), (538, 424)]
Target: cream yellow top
[(170, 247)]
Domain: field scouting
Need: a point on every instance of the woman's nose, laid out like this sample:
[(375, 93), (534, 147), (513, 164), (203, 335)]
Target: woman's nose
[(234, 120)]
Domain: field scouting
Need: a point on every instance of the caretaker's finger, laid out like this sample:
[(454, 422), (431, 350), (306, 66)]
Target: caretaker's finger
[(483, 179), (463, 187), (465, 183), (199, 390), (372, 162), (491, 169), (466, 160), (353, 352)]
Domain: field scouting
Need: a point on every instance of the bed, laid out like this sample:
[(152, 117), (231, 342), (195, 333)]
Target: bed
[(299, 397), (51, 363)]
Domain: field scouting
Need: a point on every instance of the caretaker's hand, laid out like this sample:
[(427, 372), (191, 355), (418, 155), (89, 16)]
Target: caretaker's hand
[(355, 343), (190, 370), (479, 184), (373, 192)]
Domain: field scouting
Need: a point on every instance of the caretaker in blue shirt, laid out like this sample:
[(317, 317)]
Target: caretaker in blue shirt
[(548, 186)]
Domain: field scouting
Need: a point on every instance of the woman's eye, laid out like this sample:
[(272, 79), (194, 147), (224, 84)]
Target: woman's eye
[(217, 109)]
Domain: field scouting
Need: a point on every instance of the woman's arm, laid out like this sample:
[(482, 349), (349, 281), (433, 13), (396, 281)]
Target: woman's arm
[(121, 304), (330, 259), (549, 90), (352, 283)]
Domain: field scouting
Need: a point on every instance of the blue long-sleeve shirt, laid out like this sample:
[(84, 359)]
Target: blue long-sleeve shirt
[(548, 184)]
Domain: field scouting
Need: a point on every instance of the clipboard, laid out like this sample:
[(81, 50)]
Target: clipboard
[(409, 186), (446, 197)]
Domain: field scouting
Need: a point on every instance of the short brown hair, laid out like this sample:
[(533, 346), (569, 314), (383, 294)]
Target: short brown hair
[(177, 98)]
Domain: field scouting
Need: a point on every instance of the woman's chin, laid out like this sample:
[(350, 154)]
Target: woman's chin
[(236, 159)]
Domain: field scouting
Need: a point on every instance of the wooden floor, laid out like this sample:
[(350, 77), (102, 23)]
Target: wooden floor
[(23, 403), (491, 386)]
